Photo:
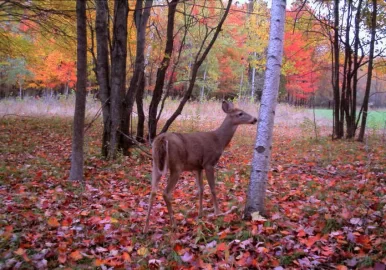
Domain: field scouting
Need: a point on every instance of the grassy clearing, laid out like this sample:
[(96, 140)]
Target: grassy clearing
[(375, 119), (325, 199)]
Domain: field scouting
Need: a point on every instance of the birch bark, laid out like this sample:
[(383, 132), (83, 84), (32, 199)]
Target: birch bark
[(263, 144)]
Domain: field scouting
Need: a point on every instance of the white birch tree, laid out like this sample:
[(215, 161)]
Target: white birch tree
[(263, 144)]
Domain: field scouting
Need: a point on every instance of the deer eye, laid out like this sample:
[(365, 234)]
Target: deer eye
[(240, 114)]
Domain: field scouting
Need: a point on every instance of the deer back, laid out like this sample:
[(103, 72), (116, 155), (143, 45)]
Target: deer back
[(190, 151)]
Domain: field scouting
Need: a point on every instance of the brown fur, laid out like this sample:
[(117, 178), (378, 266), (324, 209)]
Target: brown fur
[(160, 154), (195, 152)]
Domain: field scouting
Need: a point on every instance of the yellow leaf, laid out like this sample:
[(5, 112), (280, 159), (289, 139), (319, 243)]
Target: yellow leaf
[(113, 220), (142, 251), (76, 255), (53, 222)]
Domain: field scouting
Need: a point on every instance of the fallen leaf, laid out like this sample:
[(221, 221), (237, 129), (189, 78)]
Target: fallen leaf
[(53, 222), (257, 217), (142, 251), (76, 255), (126, 257), (187, 257), (62, 258), (19, 251)]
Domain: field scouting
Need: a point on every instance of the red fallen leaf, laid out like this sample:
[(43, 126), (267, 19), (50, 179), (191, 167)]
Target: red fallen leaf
[(8, 232), (19, 251), (25, 257), (53, 222), (62, 258), (311, 240), (301, 233), (126, 257), (341, 267), (178, 249), (38, 175), (99, 262), (66, 222), (222, 246), (62, 247), (76, 255), (123, 206)]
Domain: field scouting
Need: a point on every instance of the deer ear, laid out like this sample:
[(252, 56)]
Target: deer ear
[(227, 106)]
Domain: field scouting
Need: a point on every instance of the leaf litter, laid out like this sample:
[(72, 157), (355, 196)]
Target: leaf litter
[(326, 205)]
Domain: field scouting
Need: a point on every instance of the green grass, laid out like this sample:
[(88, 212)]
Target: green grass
[(375, 119)]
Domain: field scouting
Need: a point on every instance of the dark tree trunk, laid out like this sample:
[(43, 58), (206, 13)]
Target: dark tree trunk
[(76, 172), (161, 72), (101, 25), (141, 114), (196, 66), (141, 17), (118, 72), (357, 63), (346, 66), (338, 122), (369, 72)]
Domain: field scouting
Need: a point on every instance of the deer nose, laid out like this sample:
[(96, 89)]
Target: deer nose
[(254, 121)]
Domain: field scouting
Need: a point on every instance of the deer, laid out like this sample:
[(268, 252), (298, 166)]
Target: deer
[(195, 152)]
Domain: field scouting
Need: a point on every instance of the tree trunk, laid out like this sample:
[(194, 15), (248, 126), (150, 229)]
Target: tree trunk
[(76, 172), (369, 72), (66, 92), (20, 91), (262, 153), (196, 66), (344, 112), (241, 84), (356, 68), (141, 114), (101, 27), (338, 122), (118, 72), (141, 16), (161, 72), (203, 86), (253, 79)]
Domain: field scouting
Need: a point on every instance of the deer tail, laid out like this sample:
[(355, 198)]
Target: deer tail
[(161, 155)]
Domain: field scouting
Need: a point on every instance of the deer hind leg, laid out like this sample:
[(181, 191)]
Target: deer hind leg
[(209, 171), (172, 181), (156, 176), (200, 186)]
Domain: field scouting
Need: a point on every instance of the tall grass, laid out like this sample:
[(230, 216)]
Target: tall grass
[(195, 113)]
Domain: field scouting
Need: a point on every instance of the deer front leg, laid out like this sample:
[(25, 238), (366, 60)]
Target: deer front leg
[(172, 181), (209, 171), (200, 186)]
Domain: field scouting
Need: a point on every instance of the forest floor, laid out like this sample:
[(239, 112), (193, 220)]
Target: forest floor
[(326, 203)]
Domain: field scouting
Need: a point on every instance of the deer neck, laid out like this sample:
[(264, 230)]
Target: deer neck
[(225, 132)]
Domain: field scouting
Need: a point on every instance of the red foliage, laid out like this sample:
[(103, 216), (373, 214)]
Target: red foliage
[(303, 76)]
